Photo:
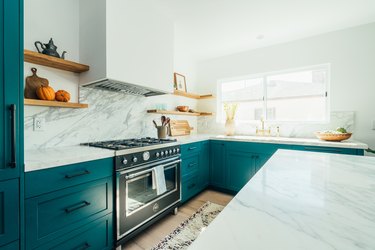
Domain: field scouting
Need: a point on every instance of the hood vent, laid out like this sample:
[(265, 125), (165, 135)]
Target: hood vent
[(127, 88)]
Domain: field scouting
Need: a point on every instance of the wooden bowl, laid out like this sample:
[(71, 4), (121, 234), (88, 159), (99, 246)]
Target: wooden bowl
[(333, 137), (183, 108)]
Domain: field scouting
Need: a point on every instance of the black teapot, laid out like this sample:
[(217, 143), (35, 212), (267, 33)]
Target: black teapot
[(49, 49)]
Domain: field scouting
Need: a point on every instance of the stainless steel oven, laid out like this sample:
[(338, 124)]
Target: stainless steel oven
[(138, 202)]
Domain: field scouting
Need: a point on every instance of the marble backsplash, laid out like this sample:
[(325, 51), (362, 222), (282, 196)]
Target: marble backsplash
[(337, 119), (110, 116)]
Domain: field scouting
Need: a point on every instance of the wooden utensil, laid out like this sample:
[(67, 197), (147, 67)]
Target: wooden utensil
[(33, 83), (163, 118), (156, 125), (179, 127)]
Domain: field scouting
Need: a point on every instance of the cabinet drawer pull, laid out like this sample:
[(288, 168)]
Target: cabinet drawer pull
[(76, 207), (13, 132), (191, 186), (192, 164), (192, 148), (83, 246), (70, 176)]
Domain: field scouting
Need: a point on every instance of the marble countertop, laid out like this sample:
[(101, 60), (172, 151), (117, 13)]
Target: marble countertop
[(60, 156), (53, 157), (300, 200), (276, 140)]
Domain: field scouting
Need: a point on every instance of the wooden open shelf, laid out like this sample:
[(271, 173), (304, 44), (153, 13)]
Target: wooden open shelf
[(34, 102), (54, 62), (191, 95), (171, 112)]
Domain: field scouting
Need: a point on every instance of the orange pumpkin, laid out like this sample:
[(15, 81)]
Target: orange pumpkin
[(62, 96), (45, 93)]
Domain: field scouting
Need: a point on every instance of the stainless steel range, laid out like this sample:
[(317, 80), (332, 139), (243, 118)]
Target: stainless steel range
[(147, 182)]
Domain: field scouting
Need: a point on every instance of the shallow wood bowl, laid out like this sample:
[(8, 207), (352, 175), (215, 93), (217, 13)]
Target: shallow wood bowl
[(333, 137), (183, 108)]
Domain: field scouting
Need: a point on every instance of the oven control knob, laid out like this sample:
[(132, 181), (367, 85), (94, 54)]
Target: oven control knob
[(162, 153), (178, 150), (146, 156), (174, 150), (170, 151), (135, 159), (166, 152), (157, 154), (125, 161)]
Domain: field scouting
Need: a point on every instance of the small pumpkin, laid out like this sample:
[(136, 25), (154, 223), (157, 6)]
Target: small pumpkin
[(45, 93), (62, 96)]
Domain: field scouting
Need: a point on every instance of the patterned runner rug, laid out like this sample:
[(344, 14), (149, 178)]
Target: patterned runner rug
[(184, 235)]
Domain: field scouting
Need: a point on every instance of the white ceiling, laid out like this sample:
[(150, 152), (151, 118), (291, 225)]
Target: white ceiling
[(213, 28)]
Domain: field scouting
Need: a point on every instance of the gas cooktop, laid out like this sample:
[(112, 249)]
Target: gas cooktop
[(129, 143)]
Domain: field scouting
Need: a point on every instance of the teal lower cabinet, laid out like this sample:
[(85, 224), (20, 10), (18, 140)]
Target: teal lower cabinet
[(9, 213), (11, 246), (195, 165), (95, 235), (76, 213), (346, 151), (217, 164)]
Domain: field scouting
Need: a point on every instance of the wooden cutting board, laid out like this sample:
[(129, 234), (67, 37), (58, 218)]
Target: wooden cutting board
[(179, 128), (33, 83)]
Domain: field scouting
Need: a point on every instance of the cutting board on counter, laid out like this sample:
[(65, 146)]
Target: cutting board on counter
[(179, 127)]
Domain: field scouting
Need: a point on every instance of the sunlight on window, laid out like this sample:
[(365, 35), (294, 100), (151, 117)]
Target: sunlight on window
[(295, 95)]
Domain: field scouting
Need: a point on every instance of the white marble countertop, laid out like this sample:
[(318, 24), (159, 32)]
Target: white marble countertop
[(60, 156), (300, 200), (276, 140)]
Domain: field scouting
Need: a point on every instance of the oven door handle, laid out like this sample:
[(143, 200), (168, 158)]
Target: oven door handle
[(131, 176)]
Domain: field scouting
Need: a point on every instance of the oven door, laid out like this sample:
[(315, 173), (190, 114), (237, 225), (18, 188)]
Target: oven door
[(138, 202)]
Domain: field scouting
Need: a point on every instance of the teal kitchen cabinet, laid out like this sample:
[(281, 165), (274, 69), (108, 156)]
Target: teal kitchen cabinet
[(78, 199), (11, 123), (11, 89), (195, 163), (240, 167), (217, 164), (332, 150), (9, 211)]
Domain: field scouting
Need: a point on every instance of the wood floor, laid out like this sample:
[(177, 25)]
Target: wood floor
[(157, 232)]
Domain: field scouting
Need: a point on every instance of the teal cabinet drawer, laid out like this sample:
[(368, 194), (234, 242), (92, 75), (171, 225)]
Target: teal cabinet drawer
[(191, 148), (190, 164), (331, 150), (95, 235), (53, 215), (9, 211), (52, 179), (189, 188), (264, 148)]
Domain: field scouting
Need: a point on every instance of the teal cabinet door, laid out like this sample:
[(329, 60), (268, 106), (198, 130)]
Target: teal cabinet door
[(204, 164), (9, 211), (11, 88), (240, 169), (260, 160), (217, 164)]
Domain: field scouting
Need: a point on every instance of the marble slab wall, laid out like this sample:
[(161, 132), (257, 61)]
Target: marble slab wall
[(110, 116), (343, 119)]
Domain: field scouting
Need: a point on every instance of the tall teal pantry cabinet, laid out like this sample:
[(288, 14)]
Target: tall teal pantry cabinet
[(11, 122)]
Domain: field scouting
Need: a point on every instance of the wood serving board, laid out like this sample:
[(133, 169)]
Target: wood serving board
[(179, 127)]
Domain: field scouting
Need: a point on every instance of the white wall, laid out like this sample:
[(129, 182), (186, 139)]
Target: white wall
[(45, 19), (350, 52)]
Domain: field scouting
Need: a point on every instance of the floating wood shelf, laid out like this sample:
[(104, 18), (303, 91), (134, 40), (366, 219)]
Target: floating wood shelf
[(171, 112), (54, 62), (191, 95), (34, 102)]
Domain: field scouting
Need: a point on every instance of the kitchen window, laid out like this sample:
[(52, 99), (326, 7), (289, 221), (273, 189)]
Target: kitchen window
[(297, 95)]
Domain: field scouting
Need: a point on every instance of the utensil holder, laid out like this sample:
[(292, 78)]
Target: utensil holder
[(162, 132)]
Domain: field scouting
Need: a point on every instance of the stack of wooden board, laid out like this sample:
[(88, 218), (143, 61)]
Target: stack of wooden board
[(179, 127)]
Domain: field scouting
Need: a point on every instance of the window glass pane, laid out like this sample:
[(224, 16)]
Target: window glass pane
[(297, 96)]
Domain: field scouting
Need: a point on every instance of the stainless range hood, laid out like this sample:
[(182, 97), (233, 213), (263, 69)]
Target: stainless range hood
[(129, 46), (127, 88)]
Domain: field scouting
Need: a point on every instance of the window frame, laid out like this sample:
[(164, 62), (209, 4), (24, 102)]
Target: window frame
[(325, 66)]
